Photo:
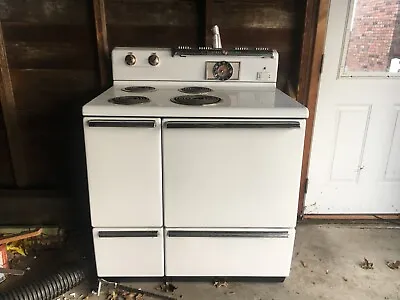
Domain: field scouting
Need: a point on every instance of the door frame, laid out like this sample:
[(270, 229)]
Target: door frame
[(315, 25), (312, 54)]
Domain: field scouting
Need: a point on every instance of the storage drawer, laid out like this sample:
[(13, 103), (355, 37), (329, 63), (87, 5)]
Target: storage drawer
[(129, 252), (228, 252)]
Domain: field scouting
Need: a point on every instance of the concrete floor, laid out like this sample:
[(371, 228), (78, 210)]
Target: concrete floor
[(331, 256)]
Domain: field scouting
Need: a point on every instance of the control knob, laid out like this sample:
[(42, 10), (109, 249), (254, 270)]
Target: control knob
[(130, 59), (154, 60)]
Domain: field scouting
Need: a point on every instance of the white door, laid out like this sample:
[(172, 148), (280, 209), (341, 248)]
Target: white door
[(123, 157), (246, 171), (355, 156)]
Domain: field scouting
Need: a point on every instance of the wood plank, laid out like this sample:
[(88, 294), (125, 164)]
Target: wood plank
[(297, 42), (57, 33), (312, 81), (103, 52), (34, 207), (151, 36), (50, 55), (252, 14), (53, 91), (205, 13), (6, 172), (45, 11), (166, 13), (276, 38), (47, 115), (14, 133), (309, 34)]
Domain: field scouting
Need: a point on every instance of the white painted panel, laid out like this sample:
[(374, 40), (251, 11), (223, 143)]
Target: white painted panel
[(249, 176), (229, 256), (393, 165), (124, 174), (352, 126), (129, 255), (175, 68)]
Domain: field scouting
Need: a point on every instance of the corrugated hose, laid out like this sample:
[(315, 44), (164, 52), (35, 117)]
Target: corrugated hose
[(49, 287)]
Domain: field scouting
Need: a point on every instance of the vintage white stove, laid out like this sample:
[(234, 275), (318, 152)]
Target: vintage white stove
[(194, 160)]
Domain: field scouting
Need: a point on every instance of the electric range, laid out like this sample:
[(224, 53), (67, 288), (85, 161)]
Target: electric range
[(194, 161)]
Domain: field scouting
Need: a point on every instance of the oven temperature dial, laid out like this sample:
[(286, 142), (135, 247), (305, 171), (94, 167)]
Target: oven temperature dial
[(130, 59), (222, 70), (154, 60)]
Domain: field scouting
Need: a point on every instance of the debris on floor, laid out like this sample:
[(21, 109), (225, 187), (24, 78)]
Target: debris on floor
[(7, 245), (366, 264), (219, 284), (394, 265), (115, 291), (167, 287), (345, 279), (124, 295), (303, 264)]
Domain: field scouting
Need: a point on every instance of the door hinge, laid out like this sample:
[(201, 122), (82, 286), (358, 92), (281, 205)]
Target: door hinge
[(306, 186), (322, 63)]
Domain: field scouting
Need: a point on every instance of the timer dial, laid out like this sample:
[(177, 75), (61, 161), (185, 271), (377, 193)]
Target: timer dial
[(222, 70)]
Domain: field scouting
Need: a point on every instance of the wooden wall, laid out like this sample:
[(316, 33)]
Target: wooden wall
[(55, 56)]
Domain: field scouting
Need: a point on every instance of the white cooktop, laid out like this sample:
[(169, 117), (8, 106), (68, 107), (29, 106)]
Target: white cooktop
[(244, 101)]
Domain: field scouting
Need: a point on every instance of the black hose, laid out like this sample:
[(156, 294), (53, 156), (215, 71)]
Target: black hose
[(48, 288)]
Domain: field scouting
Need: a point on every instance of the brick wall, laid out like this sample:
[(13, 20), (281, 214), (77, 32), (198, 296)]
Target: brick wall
[(375, 36)]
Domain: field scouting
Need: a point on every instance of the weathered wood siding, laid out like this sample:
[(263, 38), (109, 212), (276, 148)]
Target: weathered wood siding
[(55, 56)]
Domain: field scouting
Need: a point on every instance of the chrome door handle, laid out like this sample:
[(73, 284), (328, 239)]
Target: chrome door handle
[(122, 123), (225, 234), (233, 124), (120, 234)]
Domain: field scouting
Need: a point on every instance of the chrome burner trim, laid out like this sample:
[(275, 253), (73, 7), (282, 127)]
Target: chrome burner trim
[(196, 100), (138, 89), (129, 100), (195, 90)]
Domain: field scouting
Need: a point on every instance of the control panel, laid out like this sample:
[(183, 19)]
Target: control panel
[(236, 65)]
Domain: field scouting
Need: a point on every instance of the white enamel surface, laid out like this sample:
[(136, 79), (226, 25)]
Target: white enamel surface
[(129, 256), (144, 179), (355, 155), (228, 256), (223, 177), (124, 174), (190, 68), (242, 101)]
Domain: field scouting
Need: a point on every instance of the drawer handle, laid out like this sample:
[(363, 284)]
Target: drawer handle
[(122, 123), (233, 125), (119, 234), (224, 234)]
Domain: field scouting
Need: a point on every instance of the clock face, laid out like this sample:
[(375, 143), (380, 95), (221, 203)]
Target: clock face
[(222, 70)]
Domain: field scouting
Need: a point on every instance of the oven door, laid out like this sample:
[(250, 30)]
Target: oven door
[(124, 171), (231, 173)]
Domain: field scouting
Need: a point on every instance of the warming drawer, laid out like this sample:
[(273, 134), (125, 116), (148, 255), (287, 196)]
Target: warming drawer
[(228, 252), (129, 252), (232, 172), (124, 171)]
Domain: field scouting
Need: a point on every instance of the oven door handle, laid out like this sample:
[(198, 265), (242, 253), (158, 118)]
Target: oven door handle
[(122, 123), (121, 234), (229, 234), (231, 124)]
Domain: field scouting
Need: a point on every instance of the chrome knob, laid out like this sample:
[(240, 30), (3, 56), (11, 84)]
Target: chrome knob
[(154, 60), (130, 59)]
